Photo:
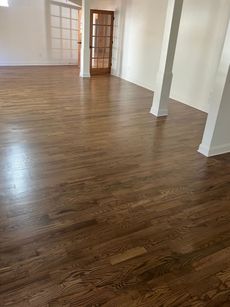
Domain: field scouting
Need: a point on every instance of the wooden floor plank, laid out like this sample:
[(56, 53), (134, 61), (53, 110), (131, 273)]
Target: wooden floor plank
[(101, 203), (129, 254)]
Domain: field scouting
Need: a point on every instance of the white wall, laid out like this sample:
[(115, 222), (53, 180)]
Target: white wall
[(24, 27), (143, 30), (198, 51), (24, 34)]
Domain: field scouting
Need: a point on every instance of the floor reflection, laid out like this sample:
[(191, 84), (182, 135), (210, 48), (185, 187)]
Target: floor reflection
[(17, 168)]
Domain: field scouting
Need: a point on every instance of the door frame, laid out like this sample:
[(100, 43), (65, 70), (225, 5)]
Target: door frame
[(101, 71)]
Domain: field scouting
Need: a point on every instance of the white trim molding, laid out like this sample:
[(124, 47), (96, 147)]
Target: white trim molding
[(37, 64), (215, 151), (159, 113), (84, 75)]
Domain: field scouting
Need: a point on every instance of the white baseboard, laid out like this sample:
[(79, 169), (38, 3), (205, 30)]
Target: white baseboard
[(85, 75), (34, 64), (159, 113), (173, 97), (204, 150), (214, 151), (114, 72), (137, 82), (183, 100)]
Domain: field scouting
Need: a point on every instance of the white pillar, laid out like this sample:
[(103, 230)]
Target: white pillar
[(165, 75), (216, 139), (85, 47)]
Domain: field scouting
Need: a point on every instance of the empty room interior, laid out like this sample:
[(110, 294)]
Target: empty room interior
[(114, 153)]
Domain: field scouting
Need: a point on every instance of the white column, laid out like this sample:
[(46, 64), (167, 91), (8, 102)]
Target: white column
[(165, 75), (85, 47), (216, 139)]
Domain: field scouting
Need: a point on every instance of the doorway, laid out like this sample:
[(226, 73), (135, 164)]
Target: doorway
[(101, 41)]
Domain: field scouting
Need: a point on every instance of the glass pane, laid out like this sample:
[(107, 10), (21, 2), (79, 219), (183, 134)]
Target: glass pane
[(94, 63), (74, 44), (106, 63), (107, 19), (66, 44), (65, 12), (93, 31), (93, 41), (56, 33), (55, 22), (108, 31), (95, 18), (65, 23), (94, 53), (66, 34), (74, 55), (100, 63), (101, 52), (98, 52), (74, 24), (75, 35), (101, 19), (67, 54), (74, 13), (99, 42), (99, 30), (107, 42), (55, 10), (107, 52), (102, 31)]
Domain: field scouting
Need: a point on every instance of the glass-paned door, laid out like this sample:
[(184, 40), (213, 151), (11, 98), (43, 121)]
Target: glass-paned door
[(64, 32), (101, 41)]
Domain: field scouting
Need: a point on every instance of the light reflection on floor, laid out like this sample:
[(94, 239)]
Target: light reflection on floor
[(17, 168)]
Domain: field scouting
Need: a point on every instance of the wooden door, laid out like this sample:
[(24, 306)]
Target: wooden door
[(101, 41)]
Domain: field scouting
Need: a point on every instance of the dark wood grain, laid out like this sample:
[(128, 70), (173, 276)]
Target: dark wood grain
[(102, 204)]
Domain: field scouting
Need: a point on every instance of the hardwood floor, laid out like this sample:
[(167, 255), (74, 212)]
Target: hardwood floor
[(102, 204)]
